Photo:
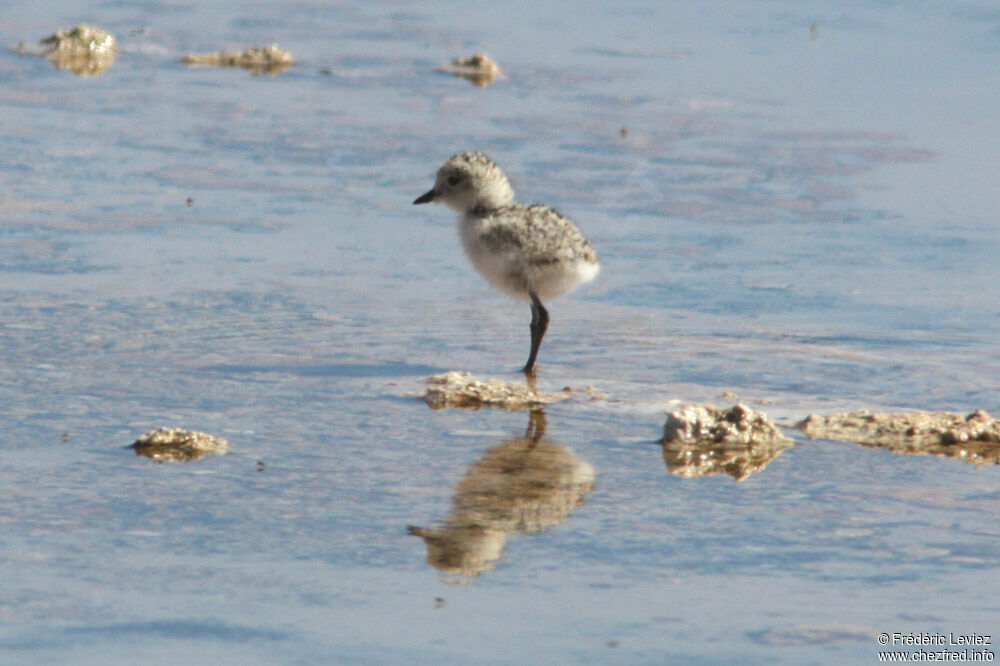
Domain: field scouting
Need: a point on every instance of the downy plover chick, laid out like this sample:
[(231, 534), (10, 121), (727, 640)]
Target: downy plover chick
[(530, 252)]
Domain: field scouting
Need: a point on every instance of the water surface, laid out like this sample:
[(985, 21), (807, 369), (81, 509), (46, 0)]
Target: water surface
[(801, 212)]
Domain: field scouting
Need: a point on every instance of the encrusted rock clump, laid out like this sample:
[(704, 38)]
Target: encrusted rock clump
[(974, 438), (168, 444), (460, 389), (710, 424), (269, 59), (479, 69), (701, 440), (85, 50)]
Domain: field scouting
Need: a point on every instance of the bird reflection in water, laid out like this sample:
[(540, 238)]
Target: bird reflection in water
[(524, 484)]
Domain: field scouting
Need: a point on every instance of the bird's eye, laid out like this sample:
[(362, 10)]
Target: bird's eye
[(454, 180)]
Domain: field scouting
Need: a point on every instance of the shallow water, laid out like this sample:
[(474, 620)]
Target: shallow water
[(803, 218)]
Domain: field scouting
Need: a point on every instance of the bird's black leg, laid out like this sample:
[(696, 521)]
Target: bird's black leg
[(539, 323)]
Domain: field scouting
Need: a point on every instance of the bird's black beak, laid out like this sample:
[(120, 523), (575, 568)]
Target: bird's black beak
[(425, 198)]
